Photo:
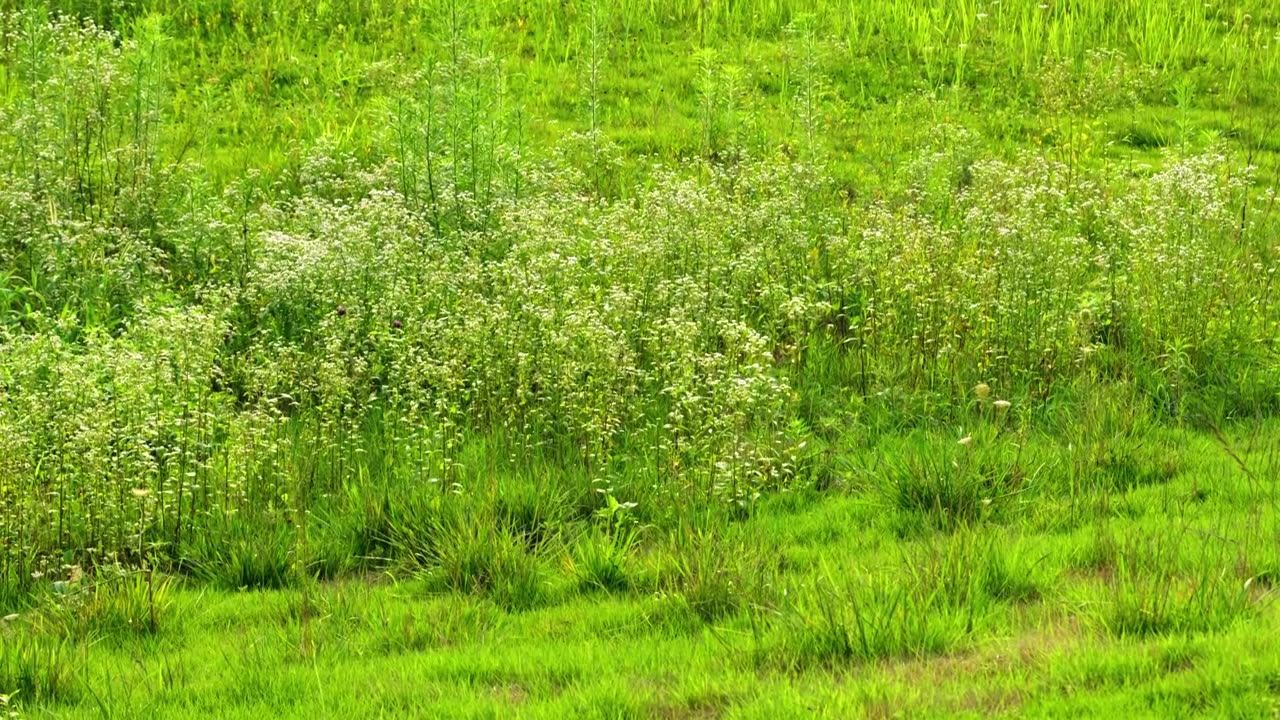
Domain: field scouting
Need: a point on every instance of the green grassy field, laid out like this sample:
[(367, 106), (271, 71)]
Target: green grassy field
[(643, 359)]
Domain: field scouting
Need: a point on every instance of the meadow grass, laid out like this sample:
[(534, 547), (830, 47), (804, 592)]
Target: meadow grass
[(638, 359)]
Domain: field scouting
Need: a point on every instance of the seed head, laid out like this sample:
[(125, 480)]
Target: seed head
[(982, 390)]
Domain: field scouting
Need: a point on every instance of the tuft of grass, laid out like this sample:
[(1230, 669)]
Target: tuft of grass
[(973, 571), (1148, 594), (533, 513), (246, 554), (937, 483), (36, 670), (1117, 445), (461, 548), (115, 604), (861, 621), (602, 561), (714, 572)]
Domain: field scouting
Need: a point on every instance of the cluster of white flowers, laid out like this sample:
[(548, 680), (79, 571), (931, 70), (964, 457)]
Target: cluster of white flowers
[(179, 355)]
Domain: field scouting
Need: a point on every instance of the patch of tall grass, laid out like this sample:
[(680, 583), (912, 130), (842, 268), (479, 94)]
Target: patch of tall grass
[(457, 349)]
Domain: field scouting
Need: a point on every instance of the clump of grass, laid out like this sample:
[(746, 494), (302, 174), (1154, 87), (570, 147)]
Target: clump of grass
[(859, 621), (1098, 552), (973, 571), (602, 561), (35, 669), (459, 546), (442, 623), (1124, 464), (534, 513), (1116, 444), (16, 580), (1167, 604), (672, 615), (247, 553), (714, 572), (114, 604), (332, 548), (944, 593), (946, 484), (1149, 592)]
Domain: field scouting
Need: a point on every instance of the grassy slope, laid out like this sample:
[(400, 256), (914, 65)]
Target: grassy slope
[(1073, 596), (239, 658), (1136, 604), (255, 83)]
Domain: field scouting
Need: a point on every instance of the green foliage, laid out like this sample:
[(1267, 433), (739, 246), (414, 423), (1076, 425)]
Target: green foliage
[(863, 622), (435, 339), (1151, 594), (948, 484), (246, 554), (372, 321), (116, 604), (716, 574), (458, 545), (34, 669), (600, 561)]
